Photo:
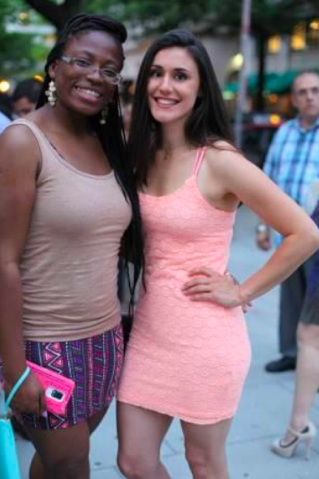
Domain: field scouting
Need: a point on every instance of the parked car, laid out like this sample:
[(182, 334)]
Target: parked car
[(257, 133)]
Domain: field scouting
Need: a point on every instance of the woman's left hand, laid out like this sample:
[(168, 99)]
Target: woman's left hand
[(207, 285)]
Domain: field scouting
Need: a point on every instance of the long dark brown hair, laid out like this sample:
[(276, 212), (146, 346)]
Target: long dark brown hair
[(208, 121)]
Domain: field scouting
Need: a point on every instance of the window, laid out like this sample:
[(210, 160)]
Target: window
[(313, 33), (305, 35), (274, 44), (298, 39)]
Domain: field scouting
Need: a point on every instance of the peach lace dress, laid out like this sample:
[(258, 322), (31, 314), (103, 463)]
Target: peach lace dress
[(185, 359)]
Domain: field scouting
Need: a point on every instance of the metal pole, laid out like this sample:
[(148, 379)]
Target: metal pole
[(242, 83)]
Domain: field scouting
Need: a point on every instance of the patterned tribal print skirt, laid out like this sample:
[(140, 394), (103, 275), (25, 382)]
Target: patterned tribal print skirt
[(94, 364)]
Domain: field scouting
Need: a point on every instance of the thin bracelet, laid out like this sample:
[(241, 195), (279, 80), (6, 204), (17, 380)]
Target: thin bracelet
[(17, 385), (242, 301)]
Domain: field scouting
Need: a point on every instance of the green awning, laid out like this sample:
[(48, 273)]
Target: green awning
[(252, 83), (281, 83), (274, 82)]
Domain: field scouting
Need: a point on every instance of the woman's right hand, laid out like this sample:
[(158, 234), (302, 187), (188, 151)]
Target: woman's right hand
[(29, 398)]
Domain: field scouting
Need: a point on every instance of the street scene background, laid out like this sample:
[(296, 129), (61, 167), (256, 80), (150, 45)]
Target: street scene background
[(255, 65)]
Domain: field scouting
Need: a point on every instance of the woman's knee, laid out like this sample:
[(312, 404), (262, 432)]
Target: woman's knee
[(197, 465), (68, 468), (64, 453), (133, 467), (308, 335), (129, 465), (205, 465), (63, 462)]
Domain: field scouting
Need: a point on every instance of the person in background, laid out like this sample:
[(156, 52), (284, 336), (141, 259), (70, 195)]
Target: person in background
[(68, 203), (25, 97), (301, 429), (5, 106), (292, 163), (5, 111), (4, 122), (189, 352)]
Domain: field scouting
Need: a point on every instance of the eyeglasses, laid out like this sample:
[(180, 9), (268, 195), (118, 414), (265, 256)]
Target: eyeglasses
[(85, 66)]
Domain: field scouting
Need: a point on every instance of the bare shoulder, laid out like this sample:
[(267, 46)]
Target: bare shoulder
[(19, 148), (223, 157)]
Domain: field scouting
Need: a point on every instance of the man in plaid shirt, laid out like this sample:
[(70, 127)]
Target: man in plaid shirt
[(292, 163)]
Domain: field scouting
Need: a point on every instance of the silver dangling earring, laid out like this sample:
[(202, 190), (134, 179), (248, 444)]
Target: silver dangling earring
[(104, 113), (51, 93)]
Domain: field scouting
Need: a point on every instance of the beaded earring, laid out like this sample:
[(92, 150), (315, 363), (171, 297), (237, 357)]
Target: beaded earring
[(104, 113), (51, 93)]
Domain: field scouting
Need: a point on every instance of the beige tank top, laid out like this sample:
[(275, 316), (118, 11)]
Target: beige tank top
[(69, 264)]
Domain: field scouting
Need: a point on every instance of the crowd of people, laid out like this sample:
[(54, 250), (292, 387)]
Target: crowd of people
[(77, 200)]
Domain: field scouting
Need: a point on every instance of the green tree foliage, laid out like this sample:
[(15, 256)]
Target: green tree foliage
[(57, 12), (153, 15), (16, 49), (273, 16)]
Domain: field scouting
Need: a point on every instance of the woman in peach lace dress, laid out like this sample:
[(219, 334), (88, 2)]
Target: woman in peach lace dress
[(189, 352)]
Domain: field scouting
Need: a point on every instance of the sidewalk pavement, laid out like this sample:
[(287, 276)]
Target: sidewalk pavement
[(265, 405)]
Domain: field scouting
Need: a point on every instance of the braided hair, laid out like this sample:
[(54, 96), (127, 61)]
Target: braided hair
[(111, 135)]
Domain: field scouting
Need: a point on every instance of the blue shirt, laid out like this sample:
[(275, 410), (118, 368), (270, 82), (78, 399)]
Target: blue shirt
[(292, 161), (4, 122)]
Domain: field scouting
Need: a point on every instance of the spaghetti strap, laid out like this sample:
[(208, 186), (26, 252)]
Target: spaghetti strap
[(39, 135), (198, 161)]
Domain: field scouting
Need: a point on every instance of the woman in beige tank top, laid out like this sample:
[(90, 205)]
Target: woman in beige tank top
[(67, 200)]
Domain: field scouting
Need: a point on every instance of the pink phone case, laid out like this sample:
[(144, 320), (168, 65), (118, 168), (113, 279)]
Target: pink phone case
[(58, 388)]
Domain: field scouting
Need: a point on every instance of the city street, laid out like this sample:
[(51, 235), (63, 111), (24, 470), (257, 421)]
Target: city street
[(264, 408)]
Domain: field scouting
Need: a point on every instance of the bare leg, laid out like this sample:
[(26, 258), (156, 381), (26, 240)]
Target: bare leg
[(95, 420), (141, 433), (63, 452), (306, 378), (37, 470), (205, 449)]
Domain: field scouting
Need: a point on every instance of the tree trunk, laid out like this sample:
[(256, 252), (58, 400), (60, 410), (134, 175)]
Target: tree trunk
[(261, 50), (57, 14)]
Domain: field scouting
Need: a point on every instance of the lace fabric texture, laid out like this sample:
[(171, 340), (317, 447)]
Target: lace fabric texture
[(188, 360)]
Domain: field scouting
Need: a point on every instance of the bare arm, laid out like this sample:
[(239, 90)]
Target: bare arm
[(301, 236), (19, 161), (263, 232)]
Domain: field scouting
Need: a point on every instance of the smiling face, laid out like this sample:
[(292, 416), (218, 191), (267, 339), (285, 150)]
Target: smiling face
[(173, 85), (83, 90)]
